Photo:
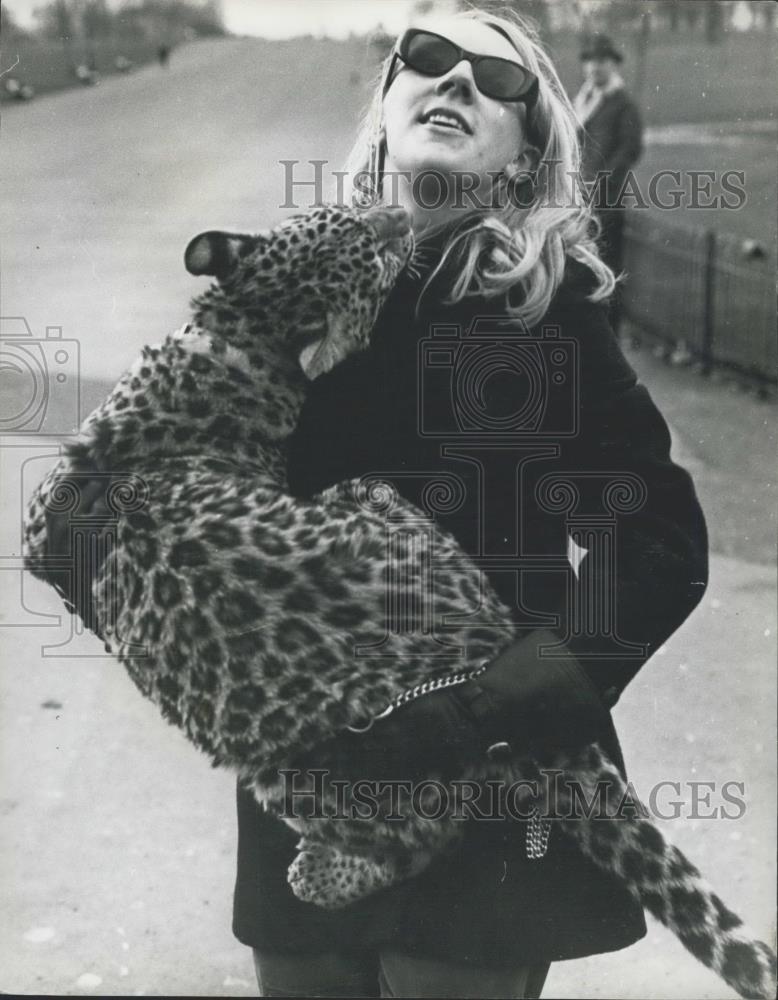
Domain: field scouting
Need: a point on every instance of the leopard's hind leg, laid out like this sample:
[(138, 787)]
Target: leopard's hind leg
[(668, 885)]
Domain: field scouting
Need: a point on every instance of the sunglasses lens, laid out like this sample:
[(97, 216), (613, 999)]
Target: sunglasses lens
[(500, 79), (429, 54), (434, 55)]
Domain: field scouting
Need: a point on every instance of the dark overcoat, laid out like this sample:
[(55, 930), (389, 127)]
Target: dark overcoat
[(611, 141), (572, 408)]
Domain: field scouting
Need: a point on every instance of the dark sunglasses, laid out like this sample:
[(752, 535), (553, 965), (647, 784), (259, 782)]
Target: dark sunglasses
[(433, 55)]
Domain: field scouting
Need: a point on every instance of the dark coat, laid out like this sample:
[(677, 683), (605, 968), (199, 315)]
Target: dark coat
[(611, 141), (488, 904)]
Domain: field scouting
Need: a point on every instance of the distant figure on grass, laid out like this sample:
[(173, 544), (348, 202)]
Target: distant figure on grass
[(163, 55), (611, 135)]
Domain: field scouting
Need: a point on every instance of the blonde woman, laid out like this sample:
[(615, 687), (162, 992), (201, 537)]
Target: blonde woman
[(471, 132)]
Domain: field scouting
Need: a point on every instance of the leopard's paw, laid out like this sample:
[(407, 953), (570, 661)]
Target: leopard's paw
[(330, 879)]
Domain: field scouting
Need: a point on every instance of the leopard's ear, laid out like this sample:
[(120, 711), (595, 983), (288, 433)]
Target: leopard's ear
[(216, 253)]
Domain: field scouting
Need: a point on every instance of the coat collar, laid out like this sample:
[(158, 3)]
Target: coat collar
[(590, 97)]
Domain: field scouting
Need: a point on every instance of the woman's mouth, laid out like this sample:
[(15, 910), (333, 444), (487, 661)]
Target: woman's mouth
[(445, 118)]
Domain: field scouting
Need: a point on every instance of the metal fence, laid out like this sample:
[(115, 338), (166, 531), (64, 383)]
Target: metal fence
[(710, 295)]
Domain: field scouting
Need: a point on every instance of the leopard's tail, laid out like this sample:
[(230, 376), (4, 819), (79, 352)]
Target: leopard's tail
[(627, 843)]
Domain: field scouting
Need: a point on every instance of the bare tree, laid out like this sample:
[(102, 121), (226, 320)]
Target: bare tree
[(56, 21), (714, 21)]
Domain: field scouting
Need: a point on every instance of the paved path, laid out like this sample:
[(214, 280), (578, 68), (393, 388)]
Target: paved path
[(118, 839)]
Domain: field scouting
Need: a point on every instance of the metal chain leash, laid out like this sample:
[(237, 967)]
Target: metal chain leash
[(538, 828), (426, 687), (538, 833)]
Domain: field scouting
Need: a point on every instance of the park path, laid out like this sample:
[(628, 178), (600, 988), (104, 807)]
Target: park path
[(118, 839)]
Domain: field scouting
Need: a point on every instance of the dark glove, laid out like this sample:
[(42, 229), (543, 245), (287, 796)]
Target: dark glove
[(535, 704), (91, 487), (521, 704)]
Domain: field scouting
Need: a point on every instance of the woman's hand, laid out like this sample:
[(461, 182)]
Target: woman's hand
[(538, 705)]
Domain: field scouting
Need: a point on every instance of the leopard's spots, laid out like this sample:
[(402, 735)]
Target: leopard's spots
[(212, 653), (273, 666), (650, 838), (305, 538), (293, 633), (206, 681), (689, 905), (220, 533), (633, 865), (224, 426), (191, 624), (656, 903), (250, 567), (346, 616), (727, 920), (238, 609), (277, 578), (249, 645), (206, 583), (276, 724), (154, 433), (681, 867), (296, 686), (237, 724), (271, 543), (246, 698), (199, 407), (137, 593), (169, 687), (698, 942), (189, 552), (301, 599), (327, 578), (200, 364), (741, 962)]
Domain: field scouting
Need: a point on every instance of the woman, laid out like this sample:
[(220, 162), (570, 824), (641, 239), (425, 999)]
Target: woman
[(487, 921), (472, 133)]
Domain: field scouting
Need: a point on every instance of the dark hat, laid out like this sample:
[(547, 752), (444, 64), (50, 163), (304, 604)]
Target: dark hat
[(600, 47)]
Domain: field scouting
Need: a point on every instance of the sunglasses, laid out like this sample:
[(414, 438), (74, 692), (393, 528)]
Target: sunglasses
[(433, 55)]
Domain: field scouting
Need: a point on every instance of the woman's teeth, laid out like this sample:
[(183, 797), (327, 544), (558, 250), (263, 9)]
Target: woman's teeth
[(448, 121)]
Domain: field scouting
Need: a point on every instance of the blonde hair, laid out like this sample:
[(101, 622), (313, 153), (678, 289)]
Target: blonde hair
[(519, 244)]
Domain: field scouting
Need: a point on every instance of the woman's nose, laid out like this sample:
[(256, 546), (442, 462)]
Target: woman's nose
[(459, 80)]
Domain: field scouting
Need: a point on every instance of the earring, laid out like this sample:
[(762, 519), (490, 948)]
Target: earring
[(520, 183)]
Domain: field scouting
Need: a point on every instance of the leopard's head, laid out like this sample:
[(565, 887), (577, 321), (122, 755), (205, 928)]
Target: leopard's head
[(315, 283)]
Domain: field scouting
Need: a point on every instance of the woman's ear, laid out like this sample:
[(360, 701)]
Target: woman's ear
[(216, 253), (528, 160)]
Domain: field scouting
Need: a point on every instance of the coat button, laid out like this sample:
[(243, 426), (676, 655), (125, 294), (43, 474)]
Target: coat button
[(499, 751)]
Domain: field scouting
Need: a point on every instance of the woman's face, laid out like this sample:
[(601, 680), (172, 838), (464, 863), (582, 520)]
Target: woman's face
[(489, 134)]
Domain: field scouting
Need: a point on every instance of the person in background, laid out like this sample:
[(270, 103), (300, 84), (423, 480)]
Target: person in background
[(611, 136)]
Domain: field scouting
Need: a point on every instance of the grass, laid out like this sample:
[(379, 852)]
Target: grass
[(44, 64)]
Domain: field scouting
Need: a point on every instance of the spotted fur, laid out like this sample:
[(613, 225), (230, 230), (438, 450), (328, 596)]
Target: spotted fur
[(237, 608)]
